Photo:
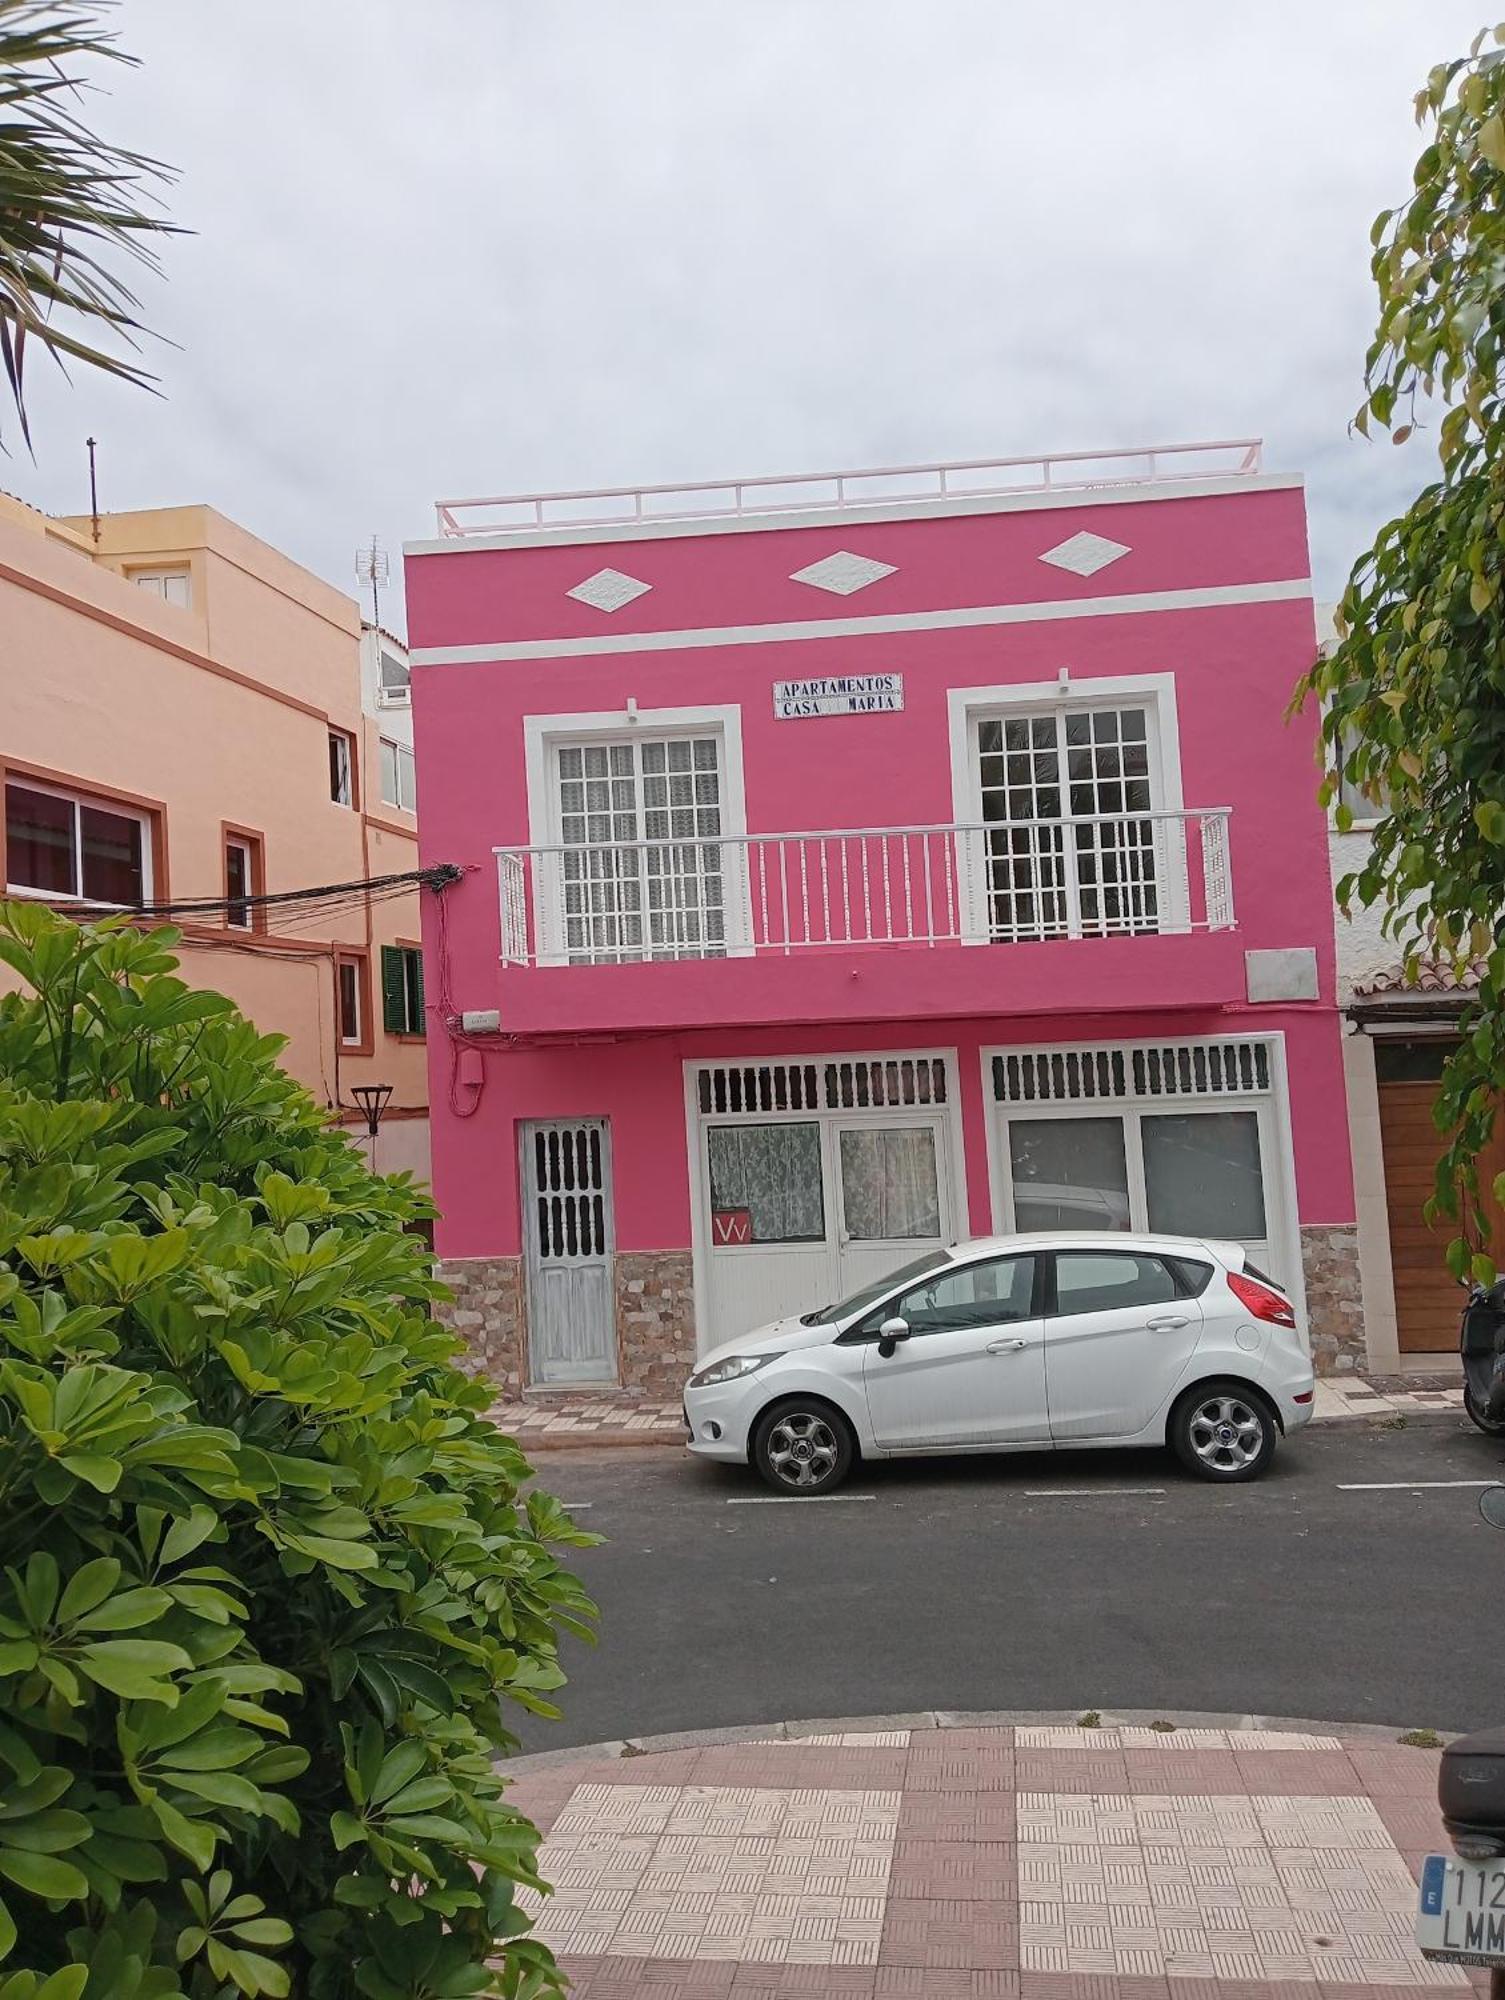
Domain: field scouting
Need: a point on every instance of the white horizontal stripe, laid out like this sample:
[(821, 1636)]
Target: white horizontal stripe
[(795, 1499), (580, 534), (1211, 597), (1085, 1492), (1412, 1485)]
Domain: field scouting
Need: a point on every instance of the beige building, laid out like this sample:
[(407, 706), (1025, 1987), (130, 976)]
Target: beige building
[(181, 720)]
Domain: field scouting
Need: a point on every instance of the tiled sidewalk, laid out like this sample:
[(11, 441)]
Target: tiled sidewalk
[(606, 1418), (994, 1864)]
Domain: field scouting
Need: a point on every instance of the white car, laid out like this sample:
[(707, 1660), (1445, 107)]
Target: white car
[(1017, 1343)]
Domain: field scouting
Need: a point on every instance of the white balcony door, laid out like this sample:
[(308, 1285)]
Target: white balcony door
[(1047, 782), (639, 869)]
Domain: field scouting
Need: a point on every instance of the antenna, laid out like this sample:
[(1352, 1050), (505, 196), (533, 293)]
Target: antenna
[(371, 567), (93, 490)]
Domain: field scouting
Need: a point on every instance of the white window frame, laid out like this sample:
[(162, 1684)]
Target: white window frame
[(402, 750), (347, 742), (1282, 1215), (158, 582), (397, 694), (1367, 816), (544, 734), (951, 1156), (967, 707), (77, 799)]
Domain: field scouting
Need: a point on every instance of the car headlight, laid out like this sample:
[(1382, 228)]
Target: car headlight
[(728, 1370)]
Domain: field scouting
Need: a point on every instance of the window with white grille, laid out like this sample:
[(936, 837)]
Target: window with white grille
[(759, 1087), (569, 1191), (875, 1083), (1181, 1138), (640, 824), (854, 1083), (1067, 853), (1165, 1069)]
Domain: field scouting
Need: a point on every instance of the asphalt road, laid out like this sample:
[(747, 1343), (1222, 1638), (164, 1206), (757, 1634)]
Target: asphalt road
[(1045, 1581)]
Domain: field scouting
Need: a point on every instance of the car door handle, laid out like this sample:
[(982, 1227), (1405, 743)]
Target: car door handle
[(1006, 1346), (1167, 1323)]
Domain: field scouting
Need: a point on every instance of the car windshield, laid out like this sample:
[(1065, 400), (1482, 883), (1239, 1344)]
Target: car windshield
[(849, 1308)]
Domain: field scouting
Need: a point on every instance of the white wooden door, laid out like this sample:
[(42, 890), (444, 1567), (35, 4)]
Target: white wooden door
[(892, 1201), (771, 1243), (566, 1168)]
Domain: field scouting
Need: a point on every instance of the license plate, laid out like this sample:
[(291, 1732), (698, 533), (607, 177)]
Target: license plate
[(1461, 1913)]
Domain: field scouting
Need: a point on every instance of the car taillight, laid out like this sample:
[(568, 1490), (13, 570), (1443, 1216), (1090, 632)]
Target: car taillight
[(1262, 1300)]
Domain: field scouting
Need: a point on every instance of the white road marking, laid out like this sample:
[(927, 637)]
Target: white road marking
[(1085, 1492), (795, 1499), (577, 1506), (1411, 1485)]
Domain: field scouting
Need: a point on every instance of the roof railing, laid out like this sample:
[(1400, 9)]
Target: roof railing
[(839, 492)]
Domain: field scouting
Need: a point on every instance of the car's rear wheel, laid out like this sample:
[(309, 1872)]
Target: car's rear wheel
[(803, 1447), (1223, 1431)]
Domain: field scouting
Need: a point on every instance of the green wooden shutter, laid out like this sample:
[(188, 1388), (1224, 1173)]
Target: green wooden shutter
[(416, 1022), (393, 997)]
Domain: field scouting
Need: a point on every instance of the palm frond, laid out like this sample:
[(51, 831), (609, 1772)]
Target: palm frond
[(72, 205)]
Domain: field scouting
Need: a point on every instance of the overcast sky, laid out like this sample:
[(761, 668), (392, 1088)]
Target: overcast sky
[(481, 246)]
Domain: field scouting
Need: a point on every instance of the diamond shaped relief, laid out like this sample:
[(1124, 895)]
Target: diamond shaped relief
[(842, 573), (608, 590), (1085, 554)]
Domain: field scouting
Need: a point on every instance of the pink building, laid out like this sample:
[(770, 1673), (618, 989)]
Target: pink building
[(857, 863)]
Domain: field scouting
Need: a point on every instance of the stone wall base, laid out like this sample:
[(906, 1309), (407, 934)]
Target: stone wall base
[(654, 1297), (488, 1314), (1334, 1298), (655, 1294)]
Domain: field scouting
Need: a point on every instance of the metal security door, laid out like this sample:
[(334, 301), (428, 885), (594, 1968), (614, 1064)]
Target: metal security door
[(567, 1216)]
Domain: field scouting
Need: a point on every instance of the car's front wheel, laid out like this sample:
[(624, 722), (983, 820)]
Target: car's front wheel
[(1224, 1431), (1491, 1426), (803, 1447)]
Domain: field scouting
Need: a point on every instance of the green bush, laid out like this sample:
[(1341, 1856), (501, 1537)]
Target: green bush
[(267, 1579)]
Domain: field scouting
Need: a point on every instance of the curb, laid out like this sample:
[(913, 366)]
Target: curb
[(1375, 1733), (533, 1442)]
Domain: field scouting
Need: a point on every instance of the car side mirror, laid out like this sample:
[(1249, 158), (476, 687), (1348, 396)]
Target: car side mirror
[(890, 1334)]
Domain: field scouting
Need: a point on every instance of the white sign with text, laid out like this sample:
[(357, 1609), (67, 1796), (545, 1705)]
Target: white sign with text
[(838, 694)]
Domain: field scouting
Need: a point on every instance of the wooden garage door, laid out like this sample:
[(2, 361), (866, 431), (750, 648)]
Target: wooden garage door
[(1427, 1300)]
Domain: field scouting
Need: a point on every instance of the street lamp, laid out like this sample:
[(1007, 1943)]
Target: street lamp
[(372, 1099)]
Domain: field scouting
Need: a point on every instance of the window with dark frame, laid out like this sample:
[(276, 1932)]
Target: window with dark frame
[(240, 882), (68, 845), (348, 991), (402, 989), (341, 768)]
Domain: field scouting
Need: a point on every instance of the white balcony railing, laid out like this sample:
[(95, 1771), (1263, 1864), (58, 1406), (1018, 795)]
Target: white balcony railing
[(1062, 471), (1000, 882)]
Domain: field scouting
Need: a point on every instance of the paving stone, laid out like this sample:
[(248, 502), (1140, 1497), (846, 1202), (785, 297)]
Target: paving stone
[(1229, 1863)]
